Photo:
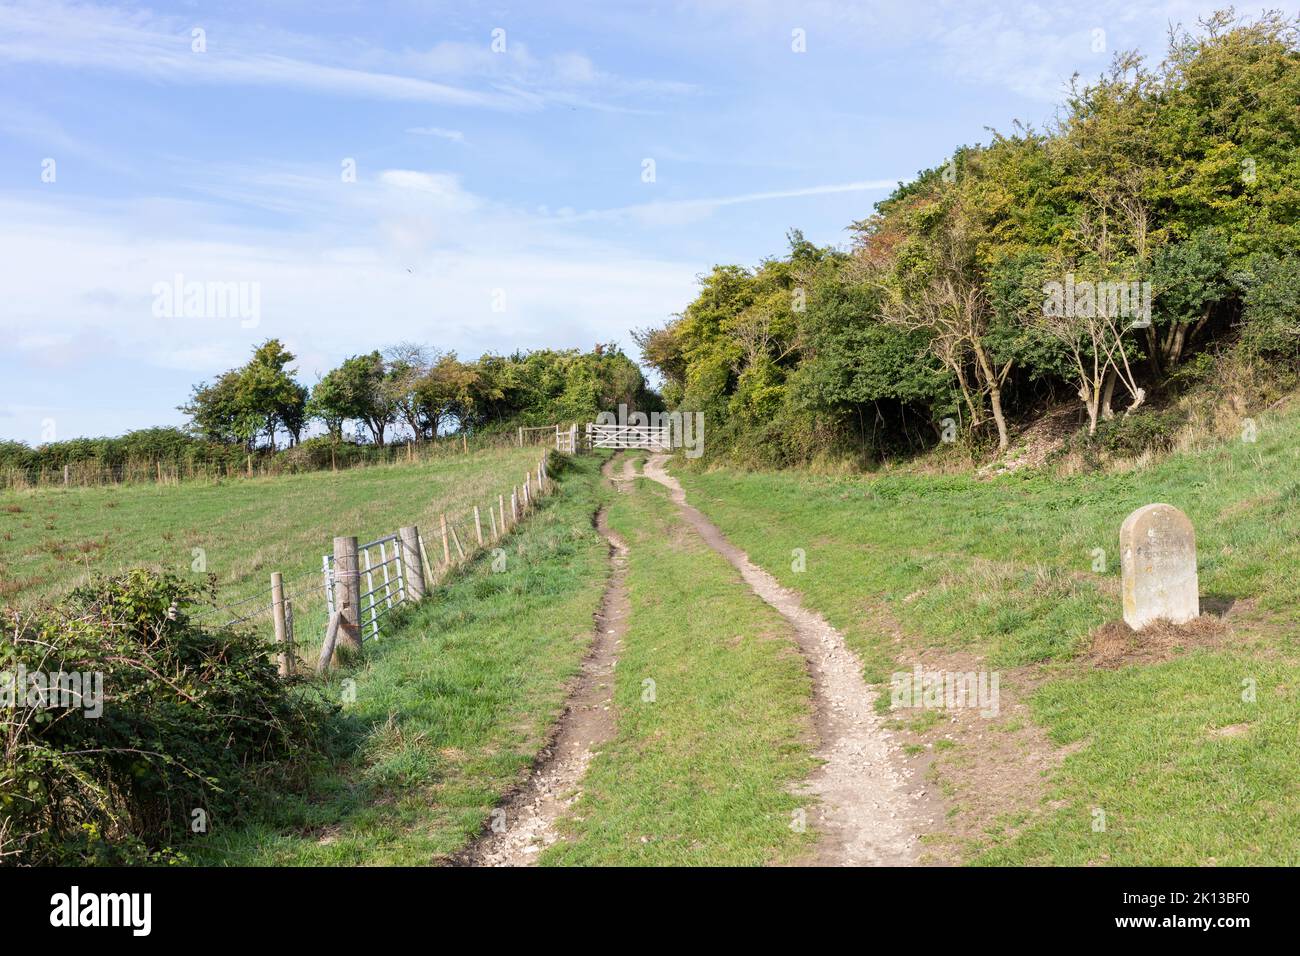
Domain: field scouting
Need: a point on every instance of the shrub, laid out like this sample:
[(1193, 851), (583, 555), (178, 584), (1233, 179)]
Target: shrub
[(1271, 317), (190, 716), (1127, 436)]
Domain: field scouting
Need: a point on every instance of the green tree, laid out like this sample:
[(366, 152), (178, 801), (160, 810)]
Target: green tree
[(358, 390)]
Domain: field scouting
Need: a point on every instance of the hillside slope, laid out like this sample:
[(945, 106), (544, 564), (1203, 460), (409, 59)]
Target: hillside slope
[(1172, 747), (239, 531)]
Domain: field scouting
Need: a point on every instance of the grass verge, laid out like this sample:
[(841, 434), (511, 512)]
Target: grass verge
[(450, 708), (1017, 573)]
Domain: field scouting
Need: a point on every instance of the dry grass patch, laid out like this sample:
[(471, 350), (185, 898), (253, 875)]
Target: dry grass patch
[(1115, 644)]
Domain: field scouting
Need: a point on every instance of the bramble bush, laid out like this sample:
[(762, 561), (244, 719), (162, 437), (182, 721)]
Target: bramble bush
[(193, 718)]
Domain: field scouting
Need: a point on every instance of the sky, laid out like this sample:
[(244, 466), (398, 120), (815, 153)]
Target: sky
[(480, 177)]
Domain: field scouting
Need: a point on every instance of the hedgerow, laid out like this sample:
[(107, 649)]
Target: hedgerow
[(193, 718)]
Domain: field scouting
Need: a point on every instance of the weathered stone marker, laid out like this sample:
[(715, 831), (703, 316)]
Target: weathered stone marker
[(1158, 558)]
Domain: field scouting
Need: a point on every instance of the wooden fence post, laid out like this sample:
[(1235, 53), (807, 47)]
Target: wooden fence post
[(501, 504), (331, 637), (65, 476), (455, 539), (446, 549), (289, 634), (521, 436), (514, 505), (347, 591), (281, 623), (429, 578), (478, 527), (528, 498), (408, 543), (492, 517)]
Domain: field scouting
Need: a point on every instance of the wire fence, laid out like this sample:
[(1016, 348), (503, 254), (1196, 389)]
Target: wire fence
[(94, 472), (355, 589)]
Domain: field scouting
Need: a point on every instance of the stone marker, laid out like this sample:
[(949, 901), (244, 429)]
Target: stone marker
[(1158, 558)]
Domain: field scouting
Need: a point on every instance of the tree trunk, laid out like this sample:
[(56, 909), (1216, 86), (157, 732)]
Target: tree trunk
[(994, 383), (975, 417), (1091, 400), (1180, 339), (1153, 351), (995, 399), (1107, 396)]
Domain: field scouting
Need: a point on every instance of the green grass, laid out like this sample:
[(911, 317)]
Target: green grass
[(703, 774), (1175, 790), (450, 708), (1004, 566), (52, 539), (1002, 569)]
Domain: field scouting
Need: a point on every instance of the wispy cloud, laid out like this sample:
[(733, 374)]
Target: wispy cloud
[(681, 211), (400, 254), (515, 63), (168, 49), (1025, 46), (454, 135)]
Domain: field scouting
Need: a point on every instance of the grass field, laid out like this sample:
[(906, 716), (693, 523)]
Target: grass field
[(1001, 571), (705, 759), (1182, 757), (51, 539), (450, 709)]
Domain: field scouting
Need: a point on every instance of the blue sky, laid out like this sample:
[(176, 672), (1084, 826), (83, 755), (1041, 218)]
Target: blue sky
[(499, 199)]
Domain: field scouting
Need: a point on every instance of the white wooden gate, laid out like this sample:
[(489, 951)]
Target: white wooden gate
[(648, 437), (566, 440)]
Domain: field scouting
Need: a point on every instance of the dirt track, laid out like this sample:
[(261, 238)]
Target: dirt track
[(525, 824), (866, 811), (865, 808)]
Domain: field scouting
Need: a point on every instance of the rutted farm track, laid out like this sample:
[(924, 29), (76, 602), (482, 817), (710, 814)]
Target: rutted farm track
[(526, 823), (863, 809), (865, 812)]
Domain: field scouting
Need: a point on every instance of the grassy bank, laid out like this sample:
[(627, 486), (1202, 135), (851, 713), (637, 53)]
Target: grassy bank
[(1017, 573), (701, 769), (239, 531), (450, 708)]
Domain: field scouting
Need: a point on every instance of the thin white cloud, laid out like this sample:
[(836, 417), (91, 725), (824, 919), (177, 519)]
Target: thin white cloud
[(92, 37), (163, 48), (680, 211), (453, 135), (1026, 46), (517, 65), (403, 254)]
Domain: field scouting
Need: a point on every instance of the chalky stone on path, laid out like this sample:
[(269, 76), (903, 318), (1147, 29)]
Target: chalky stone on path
[(1158, 559)]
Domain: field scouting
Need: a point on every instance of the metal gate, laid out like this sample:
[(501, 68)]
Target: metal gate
[(376, 600)]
